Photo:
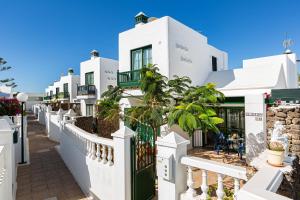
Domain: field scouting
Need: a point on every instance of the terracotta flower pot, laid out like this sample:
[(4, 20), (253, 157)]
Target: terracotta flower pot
[(275, 157)]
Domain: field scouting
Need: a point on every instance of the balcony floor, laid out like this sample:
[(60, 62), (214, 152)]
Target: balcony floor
[(47, 177)]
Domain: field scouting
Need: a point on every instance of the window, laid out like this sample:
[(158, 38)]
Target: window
[(66, 88), (214, 64), (141, 57), (89, 78), (57, 91), (89, 109), (51, 93)]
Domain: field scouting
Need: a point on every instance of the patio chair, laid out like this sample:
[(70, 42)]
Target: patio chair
[(241, 150), (221, 143)]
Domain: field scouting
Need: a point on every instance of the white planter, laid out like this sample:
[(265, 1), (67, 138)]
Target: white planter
[(275, 157)]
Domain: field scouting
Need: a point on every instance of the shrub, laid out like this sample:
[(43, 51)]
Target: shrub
[(9, 107)]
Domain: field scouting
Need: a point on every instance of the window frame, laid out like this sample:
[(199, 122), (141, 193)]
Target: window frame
[(66, 86), (142, 56), (214, 67), (86, 109), (86, 80)]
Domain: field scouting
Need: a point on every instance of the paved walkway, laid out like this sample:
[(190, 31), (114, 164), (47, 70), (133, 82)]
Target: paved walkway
[(47, 177)]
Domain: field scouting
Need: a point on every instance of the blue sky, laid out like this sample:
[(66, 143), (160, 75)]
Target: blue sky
[(43, 38)]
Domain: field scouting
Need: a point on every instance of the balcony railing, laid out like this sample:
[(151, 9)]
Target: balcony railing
[(47, 98), (129, 78), (63, 95), (86, 90)]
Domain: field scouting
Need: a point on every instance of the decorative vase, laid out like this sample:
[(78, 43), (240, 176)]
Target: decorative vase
[(275, 158)]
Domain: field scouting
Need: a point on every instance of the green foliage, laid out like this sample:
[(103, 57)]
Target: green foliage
[(108, 106), (196, 109), (7, 81), (176, 102), (167, 101), (229, 194)]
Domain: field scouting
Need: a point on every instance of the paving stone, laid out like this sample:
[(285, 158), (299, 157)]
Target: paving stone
[(46, 177)]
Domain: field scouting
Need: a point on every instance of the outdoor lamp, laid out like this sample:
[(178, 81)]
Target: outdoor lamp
[(22, 97)]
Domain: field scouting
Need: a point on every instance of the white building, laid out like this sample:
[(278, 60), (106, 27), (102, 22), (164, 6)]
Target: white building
[(179, 50), (175, 48), (65, 89), (96, 74)]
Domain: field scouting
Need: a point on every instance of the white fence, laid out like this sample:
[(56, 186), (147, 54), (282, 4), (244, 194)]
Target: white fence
[(90, 159), (7, 162), (97, 163), (102, 166), (220, 169)]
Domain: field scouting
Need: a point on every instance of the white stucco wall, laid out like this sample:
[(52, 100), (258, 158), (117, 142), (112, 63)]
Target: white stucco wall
[(287, 61), (154, 33), (190, 54), (176, 49), (255, 125), (105, 73)]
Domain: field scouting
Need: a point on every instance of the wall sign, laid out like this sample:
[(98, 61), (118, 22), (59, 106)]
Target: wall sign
[(257, 116)]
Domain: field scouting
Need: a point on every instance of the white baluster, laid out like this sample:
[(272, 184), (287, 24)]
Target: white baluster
[(220, 191), (191, 192), (110, 156), (98, 154), (204, 186), (86, 147), (236, 186), (93, 151), (104, 160)]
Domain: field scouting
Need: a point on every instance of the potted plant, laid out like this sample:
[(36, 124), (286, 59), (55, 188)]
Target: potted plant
[(275, 153)]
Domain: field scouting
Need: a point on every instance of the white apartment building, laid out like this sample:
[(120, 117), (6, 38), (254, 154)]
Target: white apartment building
[(96, 74), (65, 89), (179, 50)]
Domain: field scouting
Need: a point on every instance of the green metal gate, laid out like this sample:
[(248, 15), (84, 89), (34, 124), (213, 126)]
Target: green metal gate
[(143, 163)]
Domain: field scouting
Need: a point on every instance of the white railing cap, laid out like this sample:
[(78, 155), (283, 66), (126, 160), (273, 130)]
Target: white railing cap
[(89, 136), (217, 167), (173, 140), (4, 125)]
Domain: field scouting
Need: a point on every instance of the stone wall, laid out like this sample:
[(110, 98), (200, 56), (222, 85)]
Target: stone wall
[(289, 116)]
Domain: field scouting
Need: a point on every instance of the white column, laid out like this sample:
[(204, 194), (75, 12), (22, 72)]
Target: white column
[(175, 146), (122, 163), (7, 141), (204, 186), (191, 192), (255, 125), (236, 186), (220, 190)]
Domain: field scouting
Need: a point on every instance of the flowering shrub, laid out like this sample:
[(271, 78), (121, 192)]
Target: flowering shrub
[(9, 107)]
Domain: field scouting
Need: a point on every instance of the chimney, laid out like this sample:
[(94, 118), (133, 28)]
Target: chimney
[(140, 19), (94, 54), (70, 71)]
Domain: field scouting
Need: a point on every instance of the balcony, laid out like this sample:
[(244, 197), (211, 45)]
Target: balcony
[(86, 91), (63, 95), (47, 98), (129, 79)]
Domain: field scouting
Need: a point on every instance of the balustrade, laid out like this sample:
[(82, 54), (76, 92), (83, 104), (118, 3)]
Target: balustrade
[(220, 169), (96, 148)]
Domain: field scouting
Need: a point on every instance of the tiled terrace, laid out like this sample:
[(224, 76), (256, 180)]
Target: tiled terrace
[(47, 177)]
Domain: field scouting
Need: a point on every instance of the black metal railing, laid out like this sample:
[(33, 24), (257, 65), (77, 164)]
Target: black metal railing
[(129, 79), (86, 90), (63, 95)]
